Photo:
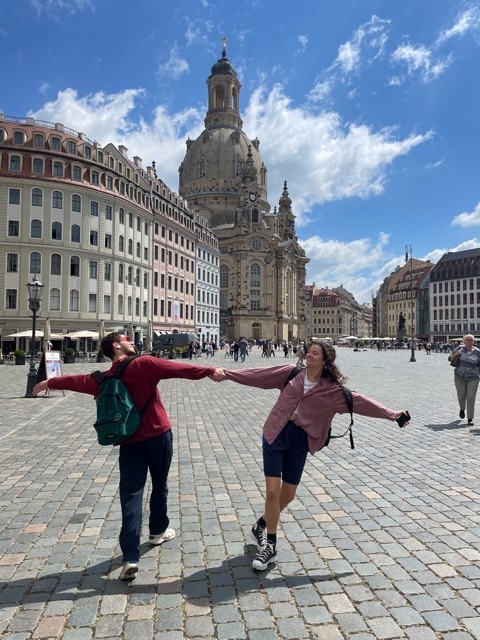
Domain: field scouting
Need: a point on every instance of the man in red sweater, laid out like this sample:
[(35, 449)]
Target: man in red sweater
[(149, 449)]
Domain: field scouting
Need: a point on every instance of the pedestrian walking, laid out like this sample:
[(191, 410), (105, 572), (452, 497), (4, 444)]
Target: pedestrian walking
[(149, 449), (466, 360), (299, 423)]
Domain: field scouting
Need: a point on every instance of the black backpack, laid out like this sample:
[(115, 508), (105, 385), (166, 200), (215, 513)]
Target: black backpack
[(348, 399), (117, 416)]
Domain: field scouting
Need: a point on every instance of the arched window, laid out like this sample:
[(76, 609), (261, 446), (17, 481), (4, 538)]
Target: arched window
[(137, 277), (36, 228), (224, 277), (130, 246), (75, 233), (56, 264), (75, 266), (255, 215), (130, 275), (202, 169), (54, 299), (74, 300), (120, 273), (56, 230), (120, 305), (76, 202), (255, 287), (37, 197), (129, 305), (57, 200), (35, 262), (137, 306)]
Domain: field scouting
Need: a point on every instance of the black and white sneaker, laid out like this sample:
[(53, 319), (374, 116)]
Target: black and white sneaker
[(265, 557), (260, 535)]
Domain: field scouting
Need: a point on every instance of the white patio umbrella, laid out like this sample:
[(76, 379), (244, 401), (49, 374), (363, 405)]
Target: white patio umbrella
[(101, 331), (149, 341), (83, 334), (26, 334), (47, 335)]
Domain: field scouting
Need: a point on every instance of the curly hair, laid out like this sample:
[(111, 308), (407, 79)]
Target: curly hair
[(330, 371)]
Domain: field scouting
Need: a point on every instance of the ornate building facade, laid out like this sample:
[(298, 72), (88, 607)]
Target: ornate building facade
[(223, 179), (108, 239)]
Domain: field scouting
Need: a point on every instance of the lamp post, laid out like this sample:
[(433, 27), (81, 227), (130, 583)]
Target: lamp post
[(408, 249), (35, 288)]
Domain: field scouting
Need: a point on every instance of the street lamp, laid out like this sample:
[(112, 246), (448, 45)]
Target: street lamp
[(35, 288), (408, 248)]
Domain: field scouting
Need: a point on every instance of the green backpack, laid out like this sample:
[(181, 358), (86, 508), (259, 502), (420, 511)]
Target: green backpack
[(117, 416)]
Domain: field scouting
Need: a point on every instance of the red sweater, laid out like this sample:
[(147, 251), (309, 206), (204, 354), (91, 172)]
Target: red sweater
[(141, 377), (315, 410)]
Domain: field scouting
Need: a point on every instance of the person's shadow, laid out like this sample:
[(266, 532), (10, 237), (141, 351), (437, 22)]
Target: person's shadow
[(454, 425), (221, 583)]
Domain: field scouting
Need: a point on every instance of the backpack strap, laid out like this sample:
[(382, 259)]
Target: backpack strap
[(99, 377), (349, 400), (293, 373)]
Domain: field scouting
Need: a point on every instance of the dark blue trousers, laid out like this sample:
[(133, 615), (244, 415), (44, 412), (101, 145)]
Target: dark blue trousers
[(135, 460)]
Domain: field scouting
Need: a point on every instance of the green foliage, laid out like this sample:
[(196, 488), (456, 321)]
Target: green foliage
[(69, 352), (19, 353)]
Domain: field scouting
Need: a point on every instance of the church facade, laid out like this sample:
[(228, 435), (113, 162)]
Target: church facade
[(223, 179)]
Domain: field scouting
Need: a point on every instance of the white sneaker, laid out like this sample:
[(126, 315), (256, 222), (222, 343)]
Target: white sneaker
[(168, 534), (129, 571)]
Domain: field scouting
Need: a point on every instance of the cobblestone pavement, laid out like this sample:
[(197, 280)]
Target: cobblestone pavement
[(383, 542)]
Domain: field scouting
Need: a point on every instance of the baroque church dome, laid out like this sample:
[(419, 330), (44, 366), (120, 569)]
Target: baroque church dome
[(214, 163)]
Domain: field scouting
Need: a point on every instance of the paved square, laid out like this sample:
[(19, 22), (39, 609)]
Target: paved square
[(382, 541)]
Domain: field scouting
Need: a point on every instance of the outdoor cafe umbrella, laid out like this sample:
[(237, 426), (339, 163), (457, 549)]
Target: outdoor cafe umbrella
[(83, 334), (26, 334), (149, 342), (47, 335), (101, 331)]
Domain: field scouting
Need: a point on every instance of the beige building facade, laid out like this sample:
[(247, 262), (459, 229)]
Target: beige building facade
[(223, 179), (109, 241)]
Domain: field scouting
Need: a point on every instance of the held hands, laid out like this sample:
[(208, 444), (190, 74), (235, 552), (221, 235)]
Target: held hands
[(40, 386), (219, 375)]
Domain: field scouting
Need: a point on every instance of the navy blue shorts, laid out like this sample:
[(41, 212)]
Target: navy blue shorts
[(285, 457)]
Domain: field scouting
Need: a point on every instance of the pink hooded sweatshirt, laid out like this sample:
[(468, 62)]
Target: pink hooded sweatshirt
[(314, 410)]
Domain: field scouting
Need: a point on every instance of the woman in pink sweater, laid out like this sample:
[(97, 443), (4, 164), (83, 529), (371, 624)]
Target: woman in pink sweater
[(298, 423)]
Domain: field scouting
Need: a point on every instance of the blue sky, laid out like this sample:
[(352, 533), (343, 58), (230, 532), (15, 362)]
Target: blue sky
[(368, 108)]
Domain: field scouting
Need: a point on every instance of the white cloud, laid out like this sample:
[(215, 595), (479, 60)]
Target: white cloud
[(321, 91), (334, 263), (468, 218), (303, 41), (321, 158), (370, 38), (435, 255), (174, 67), (198, 31), (419, 61), (54, 6), (43, 88), (468, 20)]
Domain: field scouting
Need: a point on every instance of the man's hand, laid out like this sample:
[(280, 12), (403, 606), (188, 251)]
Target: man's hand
[(40, 386), (219, 375)]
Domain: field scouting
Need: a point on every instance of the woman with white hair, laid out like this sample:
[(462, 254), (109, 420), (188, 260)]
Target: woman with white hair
[(466, 360)]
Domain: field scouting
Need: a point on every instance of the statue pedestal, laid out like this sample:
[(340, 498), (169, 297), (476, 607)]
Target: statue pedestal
[(401, 334)]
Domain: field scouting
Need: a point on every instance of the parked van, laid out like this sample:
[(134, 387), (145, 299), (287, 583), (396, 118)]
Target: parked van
[(169, 341)]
